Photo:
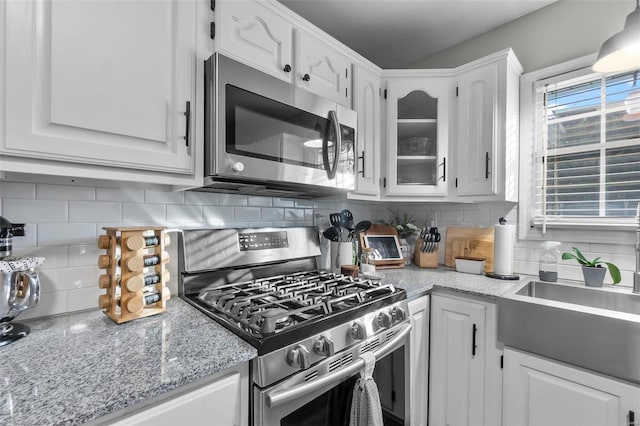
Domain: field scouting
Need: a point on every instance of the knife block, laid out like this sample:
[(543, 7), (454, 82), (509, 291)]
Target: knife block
[(136, 277), (424, 259)]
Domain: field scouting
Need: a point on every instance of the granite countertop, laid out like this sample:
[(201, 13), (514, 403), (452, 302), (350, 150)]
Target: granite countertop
[(420, 281), (77, 367)]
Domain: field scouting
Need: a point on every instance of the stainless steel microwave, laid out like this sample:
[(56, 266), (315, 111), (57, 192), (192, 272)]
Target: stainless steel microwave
[(266, 136)]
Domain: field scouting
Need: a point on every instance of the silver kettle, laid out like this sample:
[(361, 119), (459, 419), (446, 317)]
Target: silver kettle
[(19, 291)]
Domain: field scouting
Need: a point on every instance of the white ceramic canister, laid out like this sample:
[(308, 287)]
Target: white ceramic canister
[(341, 254)]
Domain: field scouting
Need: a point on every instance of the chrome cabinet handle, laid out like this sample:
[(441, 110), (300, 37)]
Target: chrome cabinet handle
[(287, 68), (278, 397), (444, 169), (306, 77), (362, 169), (486, 165), (474, 345)]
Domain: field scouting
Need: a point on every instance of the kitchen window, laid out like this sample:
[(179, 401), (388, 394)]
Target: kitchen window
[(585, 154)]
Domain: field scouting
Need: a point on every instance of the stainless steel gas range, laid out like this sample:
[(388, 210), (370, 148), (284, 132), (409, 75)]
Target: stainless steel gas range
[(309, 326)]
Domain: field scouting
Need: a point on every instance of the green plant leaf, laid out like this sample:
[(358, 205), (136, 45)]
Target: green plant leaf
[(571, 256), (615, 272), (583, 260)]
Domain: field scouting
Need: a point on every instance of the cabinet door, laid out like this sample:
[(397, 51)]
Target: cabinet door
[(100, 82), (477, 108), (456, 391), (322, 70), (417, 123), (542, 392), (419, 360), (215, 404), (366, 100), (258, 36)]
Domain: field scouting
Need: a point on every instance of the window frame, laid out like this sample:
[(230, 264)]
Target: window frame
[(600, 230)]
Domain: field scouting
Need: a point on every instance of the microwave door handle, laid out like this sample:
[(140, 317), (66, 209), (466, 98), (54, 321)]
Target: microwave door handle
[(276, 397), (331, 171)]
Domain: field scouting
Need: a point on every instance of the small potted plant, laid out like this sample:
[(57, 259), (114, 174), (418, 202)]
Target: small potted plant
[(592, 270)]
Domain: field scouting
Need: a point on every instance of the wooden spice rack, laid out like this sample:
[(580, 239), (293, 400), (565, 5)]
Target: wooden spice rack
[(136, 277)]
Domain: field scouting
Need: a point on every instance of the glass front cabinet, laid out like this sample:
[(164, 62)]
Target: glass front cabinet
[(417, 138)]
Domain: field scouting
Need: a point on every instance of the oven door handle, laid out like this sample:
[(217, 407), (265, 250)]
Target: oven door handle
[(331, 171), (275, 397)]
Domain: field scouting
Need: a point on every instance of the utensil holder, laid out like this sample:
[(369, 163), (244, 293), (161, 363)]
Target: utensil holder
[(424, 259), (341, 254), (136, 277)]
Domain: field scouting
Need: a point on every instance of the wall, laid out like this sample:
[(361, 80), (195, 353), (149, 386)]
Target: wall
[(64, 221), (553, 34)]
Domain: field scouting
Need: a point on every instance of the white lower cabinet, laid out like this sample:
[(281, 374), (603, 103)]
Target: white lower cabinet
[(419, 361), (542, 392), (465, 375), (222, 402)]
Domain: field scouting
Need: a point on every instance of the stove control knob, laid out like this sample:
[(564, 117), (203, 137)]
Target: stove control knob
[(384, 320), (298, 357), (358, 330), (398, 314), (237, 167), (323, 346)]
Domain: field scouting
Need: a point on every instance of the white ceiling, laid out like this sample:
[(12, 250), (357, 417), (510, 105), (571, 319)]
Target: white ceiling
[(398, 33)]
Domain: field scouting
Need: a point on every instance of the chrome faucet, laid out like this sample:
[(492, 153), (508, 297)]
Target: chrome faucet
[(636, 275)]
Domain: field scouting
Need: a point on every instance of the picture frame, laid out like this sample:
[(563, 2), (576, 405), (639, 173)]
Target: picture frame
[(385, 247)]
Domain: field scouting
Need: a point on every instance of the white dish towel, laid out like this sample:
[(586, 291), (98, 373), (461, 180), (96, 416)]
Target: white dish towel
[(365, 405)]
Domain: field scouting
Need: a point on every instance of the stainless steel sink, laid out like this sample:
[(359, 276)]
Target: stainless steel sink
[(595, 328)]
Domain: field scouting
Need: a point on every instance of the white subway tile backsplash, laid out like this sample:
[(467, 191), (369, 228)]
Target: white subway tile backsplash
[(50, 234), (232, 200), (143, 213), (95, 211), (259, 201), (120, 194), (294, 215), (52, 280), (217, 215), (84, 298), (272, 213), (84, 254), (17, 190), (49, 304), (180, 213), (56, 256), (36, 211), (246, 214), (205, 198), (163, 197), (64, 192), (283, 202)]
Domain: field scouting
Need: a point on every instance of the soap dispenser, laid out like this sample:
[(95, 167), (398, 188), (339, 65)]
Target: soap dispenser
[(548, 263)]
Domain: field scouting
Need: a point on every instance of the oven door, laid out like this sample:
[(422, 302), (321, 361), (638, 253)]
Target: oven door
[(315, 397), (268, 129)]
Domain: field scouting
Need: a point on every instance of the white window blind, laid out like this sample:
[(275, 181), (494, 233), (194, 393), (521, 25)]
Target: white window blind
[(587, 149)]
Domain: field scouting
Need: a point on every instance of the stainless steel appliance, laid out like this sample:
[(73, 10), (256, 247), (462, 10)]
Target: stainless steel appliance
[(266, 136), (19, 291), (309, 326)]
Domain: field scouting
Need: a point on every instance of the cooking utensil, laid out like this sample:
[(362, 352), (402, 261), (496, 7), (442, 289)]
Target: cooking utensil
[(362, 226), (335, 219), (346, 219), (332, 234)]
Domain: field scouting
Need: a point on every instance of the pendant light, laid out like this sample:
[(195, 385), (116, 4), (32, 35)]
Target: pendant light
[(621, 52)]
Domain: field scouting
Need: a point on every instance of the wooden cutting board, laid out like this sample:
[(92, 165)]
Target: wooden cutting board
[(469, 242)]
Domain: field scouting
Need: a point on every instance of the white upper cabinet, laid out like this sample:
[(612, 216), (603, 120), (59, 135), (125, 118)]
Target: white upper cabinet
[(256, 35), (261, 35), (417, 136), (486, 143), (100, 83), (366, 101), (322, 70)]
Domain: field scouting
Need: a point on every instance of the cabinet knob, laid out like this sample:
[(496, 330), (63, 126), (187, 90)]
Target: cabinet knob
[(306, 77), (238, 167), (287, 68)]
